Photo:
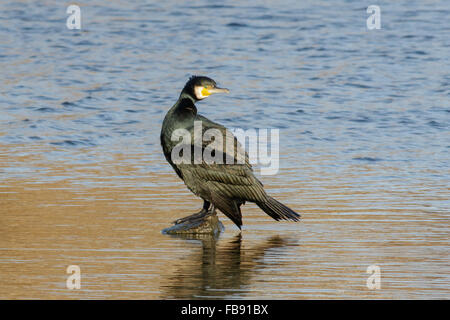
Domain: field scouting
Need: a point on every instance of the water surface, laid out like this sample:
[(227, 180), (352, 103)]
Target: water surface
[(364, 133)]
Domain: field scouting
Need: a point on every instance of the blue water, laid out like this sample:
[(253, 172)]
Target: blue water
[(363, 110)]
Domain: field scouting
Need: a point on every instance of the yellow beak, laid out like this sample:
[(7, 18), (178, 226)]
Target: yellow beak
[(207, 92)]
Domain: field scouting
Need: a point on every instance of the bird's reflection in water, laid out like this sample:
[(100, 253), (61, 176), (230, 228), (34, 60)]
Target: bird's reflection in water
[(220, 270)]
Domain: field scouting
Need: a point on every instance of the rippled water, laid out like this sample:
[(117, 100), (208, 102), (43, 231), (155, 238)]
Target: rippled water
[(364, 119)]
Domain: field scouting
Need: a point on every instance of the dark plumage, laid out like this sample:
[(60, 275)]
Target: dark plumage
[(225, 186)]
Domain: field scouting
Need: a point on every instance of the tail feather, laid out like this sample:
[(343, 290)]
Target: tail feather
[(277, 210), (229, 207)]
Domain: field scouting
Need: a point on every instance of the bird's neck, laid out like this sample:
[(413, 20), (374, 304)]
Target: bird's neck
[(185, 104)]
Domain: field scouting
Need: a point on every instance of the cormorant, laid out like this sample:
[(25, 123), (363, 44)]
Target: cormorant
[(221, 185)]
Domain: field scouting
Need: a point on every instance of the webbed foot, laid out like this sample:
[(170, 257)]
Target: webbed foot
[(201, 215), (198, 215)]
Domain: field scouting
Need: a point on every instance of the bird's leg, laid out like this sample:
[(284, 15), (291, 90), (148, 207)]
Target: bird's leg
[(202, 213), (212, 210)]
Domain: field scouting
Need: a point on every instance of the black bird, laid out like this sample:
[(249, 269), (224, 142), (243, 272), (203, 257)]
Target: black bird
[(223, 185)]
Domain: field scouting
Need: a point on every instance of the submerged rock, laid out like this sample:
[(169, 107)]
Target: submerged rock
[(207, 225)]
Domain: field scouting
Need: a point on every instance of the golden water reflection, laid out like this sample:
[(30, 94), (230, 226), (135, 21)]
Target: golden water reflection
[(219, 271), (106, 218)]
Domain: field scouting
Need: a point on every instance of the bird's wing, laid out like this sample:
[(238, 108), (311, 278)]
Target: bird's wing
[(229, 183), (232, 148)]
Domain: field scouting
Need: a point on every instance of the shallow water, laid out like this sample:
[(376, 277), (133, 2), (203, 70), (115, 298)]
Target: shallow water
[(364, 134)]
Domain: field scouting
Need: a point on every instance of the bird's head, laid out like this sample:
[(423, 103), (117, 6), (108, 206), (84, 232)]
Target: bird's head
[(199, 87)]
